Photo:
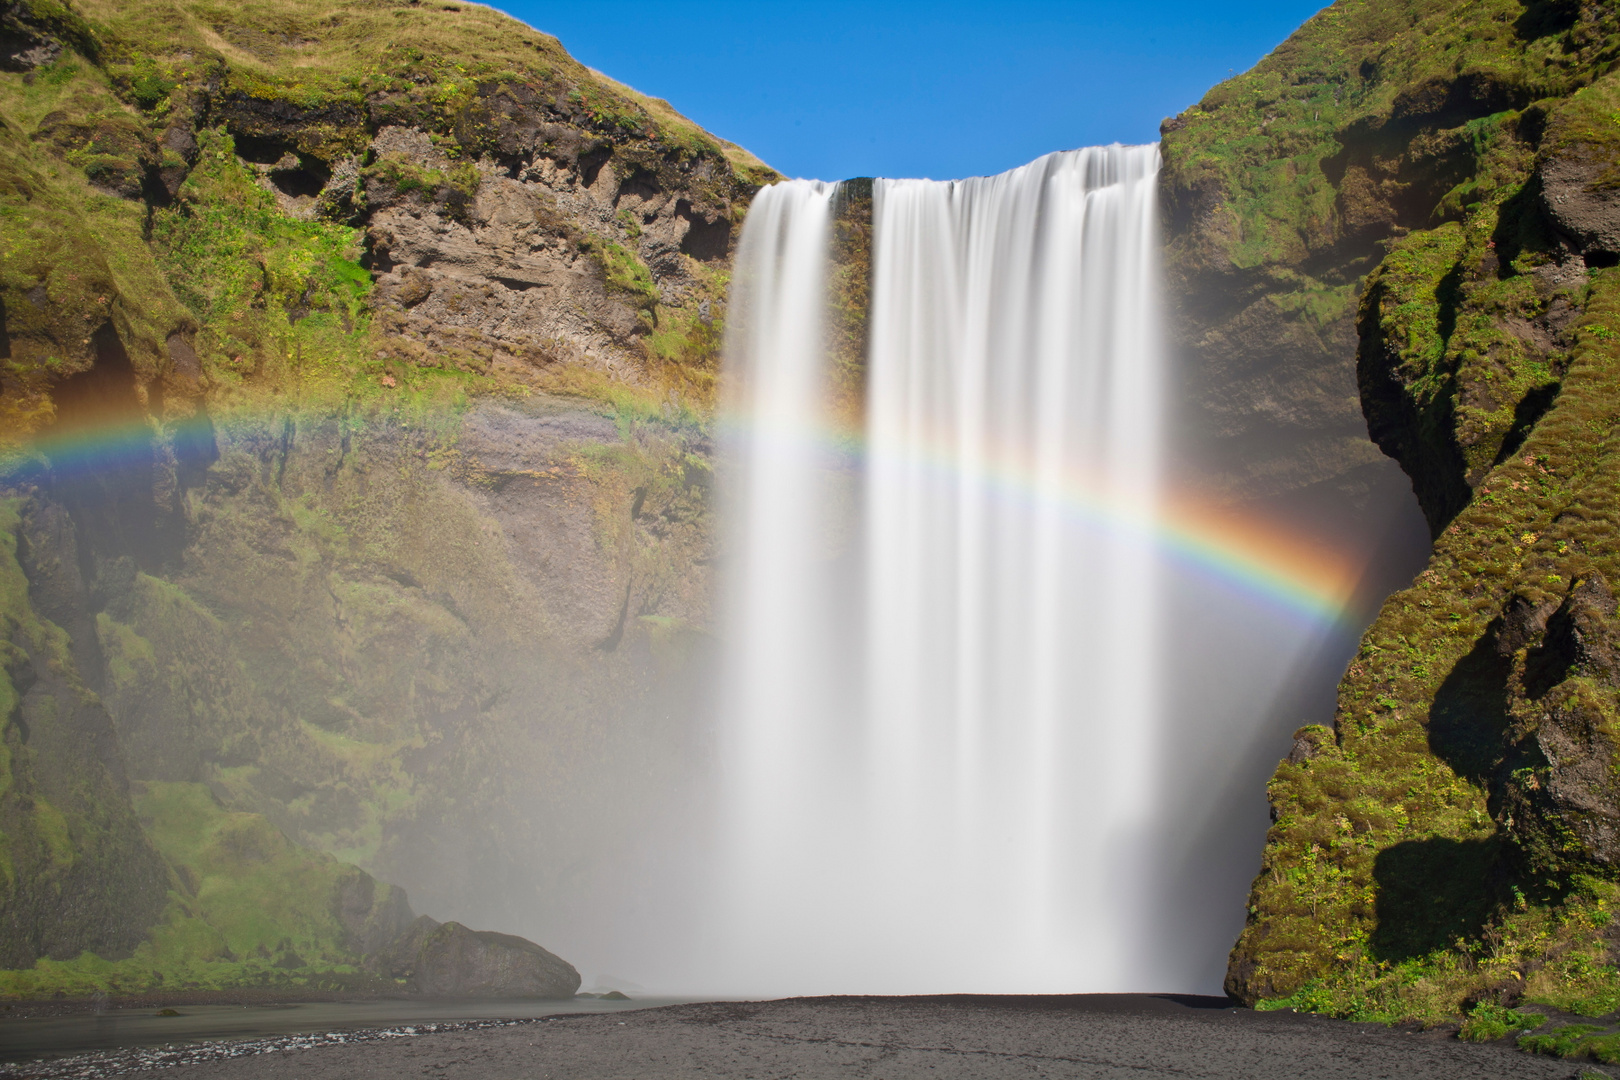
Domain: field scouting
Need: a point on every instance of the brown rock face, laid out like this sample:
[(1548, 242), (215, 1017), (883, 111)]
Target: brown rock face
[(449, 960), (500, 276)]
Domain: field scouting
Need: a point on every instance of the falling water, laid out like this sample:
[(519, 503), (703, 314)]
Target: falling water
[(940, 741)]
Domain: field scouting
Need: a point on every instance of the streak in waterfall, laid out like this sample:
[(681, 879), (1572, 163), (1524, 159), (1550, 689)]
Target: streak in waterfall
[(939, 742)]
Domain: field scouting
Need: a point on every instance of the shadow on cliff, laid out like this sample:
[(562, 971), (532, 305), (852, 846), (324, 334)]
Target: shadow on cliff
[(1543, 18), (1431, 894), (1468, 721), (1435, 892)]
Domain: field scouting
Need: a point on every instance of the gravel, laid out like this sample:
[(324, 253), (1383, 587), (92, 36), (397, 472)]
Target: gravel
[(1095, 1037)]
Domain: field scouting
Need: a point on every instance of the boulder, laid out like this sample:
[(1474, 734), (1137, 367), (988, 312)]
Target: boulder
[(1581, 198), (449, 960)]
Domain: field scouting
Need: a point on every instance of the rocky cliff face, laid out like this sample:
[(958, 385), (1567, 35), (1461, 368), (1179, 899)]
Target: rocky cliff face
[(1447, 841), (1283, 189), (353, 367)]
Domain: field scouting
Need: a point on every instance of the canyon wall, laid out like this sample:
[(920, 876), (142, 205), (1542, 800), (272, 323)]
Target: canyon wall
[(1426, 191), (355, 373), (356, 401)]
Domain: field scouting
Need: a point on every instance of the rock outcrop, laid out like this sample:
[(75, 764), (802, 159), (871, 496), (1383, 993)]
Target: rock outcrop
[(1580, 195), (448, 960), (1453, 841)]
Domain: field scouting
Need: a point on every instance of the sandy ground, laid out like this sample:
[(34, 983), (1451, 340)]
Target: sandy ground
[(1097, 1037)]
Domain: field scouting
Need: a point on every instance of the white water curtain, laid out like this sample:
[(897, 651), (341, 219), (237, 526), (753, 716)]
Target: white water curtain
[(940, 732)]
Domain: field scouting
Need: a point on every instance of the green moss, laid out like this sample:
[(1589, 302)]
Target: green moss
[(267, 291), (247, 908), (1573, 1040), (261, 893), (51, 826), (625, 273), (130, 658), (683, 348), (1586, 123), (1487, 1022), (453, 187), (150, 83), (610, 111), (1399, 802), (86, 250)]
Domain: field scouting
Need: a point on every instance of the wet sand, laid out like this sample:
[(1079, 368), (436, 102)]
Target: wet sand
[(1096, 1037)]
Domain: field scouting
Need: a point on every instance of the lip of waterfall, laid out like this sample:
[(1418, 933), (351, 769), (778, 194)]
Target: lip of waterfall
[(941, 719)]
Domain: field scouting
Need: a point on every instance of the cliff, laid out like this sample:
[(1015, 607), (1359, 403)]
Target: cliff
[(354, 367), (1427, 189)]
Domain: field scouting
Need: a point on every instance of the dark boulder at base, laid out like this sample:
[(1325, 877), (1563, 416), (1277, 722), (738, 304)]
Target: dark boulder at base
[(448, 960)]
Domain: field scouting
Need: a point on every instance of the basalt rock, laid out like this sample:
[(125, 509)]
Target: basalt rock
[(448, 960), (1563, 690), (1580, 194)]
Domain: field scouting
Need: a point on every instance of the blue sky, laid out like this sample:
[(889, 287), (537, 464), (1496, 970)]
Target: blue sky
[(945, 89)]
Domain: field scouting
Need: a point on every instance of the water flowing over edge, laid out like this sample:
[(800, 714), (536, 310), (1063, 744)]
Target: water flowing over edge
[(941, 701)]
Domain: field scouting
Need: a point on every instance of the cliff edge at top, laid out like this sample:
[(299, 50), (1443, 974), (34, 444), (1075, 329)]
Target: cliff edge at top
[(284, 194)]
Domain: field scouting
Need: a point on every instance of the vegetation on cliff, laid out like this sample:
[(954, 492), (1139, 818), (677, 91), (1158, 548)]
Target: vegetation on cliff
[(1437, 174), (1281, 188), (201, 181), (314, 322)]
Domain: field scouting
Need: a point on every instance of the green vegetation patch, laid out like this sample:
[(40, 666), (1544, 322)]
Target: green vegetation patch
[(1575, 1041), (247, 908), (625, 273), (268, 291), (1487, 1022)]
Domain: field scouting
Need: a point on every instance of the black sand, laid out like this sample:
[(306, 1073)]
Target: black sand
[(1096, 1037)]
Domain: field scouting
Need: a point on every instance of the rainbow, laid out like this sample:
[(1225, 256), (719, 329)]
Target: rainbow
[(86, 451), (1303, 577)]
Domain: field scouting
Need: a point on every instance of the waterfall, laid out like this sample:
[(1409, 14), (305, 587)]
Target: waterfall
[(940, 758)]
